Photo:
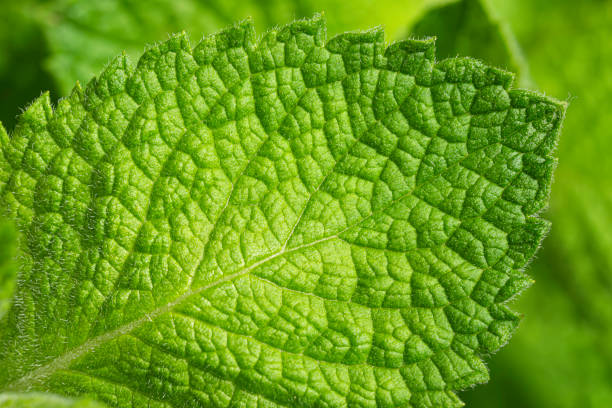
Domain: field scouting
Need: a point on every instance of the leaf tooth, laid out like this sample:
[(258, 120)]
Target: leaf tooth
[(30, 123), (545, 113), (36, 115), (315, 27), (369, 45), (110, 82), (412, 57), (239, 35), (513, 286)]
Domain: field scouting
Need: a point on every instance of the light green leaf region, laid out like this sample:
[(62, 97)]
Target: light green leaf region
[(471, 27), (37, 400), (293, 221)]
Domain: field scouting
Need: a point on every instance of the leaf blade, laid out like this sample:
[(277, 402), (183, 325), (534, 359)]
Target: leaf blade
[(289, 219)]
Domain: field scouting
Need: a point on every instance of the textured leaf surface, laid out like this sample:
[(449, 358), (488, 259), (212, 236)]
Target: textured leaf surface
[(286, 222), (37, 400)]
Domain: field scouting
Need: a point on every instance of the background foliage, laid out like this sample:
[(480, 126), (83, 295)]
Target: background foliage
[(562, 354)]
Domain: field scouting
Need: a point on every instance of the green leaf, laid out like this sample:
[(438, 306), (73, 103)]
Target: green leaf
[(37, 400), (471, 27), (289, 222)]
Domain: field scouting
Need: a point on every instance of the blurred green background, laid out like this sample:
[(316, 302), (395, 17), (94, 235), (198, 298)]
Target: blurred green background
[(561, 356)]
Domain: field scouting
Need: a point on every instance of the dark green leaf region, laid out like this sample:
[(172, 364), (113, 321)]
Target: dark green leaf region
[(287, 221)]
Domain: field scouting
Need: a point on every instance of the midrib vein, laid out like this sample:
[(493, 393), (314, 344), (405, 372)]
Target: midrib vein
[(27, 381)]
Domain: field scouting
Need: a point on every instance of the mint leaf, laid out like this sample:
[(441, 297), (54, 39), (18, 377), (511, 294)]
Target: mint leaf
[(36, 400), (471, 27), (286, 222)]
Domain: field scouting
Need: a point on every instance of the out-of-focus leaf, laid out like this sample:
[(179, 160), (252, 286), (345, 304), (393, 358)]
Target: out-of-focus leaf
[(83, 35), (22, 52)]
